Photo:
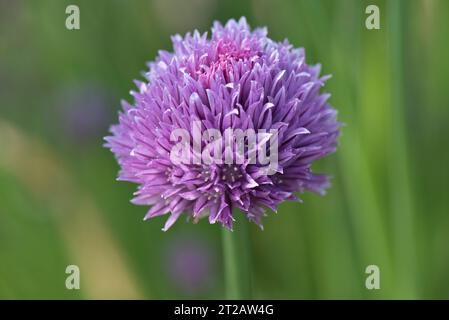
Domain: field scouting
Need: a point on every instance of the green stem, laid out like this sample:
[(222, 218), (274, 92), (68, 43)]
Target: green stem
[(236, 258)]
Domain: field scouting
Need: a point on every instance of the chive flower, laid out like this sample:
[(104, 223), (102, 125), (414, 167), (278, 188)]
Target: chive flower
[(237, 79)]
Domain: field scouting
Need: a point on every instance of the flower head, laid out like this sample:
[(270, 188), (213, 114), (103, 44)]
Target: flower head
[(237, 79)]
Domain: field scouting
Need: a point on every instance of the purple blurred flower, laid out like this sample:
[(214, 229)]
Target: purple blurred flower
[(236, 79), (190, 265), (85, 113)]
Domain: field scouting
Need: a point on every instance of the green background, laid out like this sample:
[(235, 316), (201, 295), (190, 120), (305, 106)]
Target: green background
[(388, 205)]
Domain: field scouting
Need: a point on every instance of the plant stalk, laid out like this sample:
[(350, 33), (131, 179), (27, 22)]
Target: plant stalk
[(237, 261)]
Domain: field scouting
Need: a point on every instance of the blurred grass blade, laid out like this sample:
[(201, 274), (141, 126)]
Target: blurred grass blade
[(401, 200)]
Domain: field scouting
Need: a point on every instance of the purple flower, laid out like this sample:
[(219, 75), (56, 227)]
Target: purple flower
[(237, 79), (190, 265), (84, 113)]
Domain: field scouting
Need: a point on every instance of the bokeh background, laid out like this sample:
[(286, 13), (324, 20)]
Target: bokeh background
[(60, 203)]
